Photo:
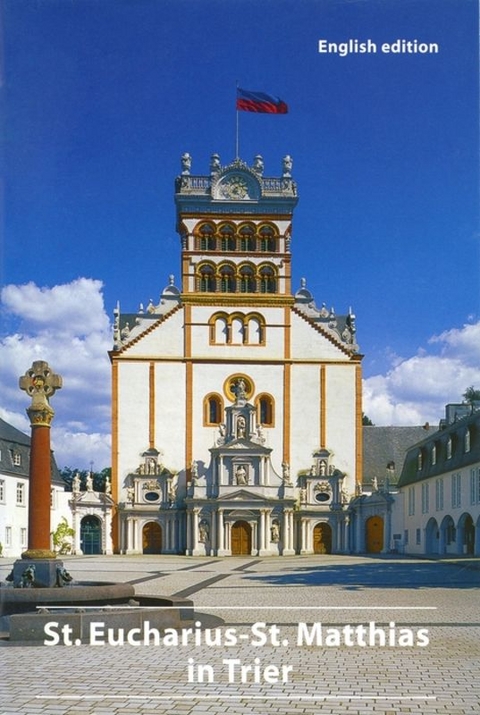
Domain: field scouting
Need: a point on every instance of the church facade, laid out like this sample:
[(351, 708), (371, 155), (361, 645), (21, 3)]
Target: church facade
[(237, 410)]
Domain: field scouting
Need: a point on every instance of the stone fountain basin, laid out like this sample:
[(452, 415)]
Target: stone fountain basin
[(26, 612)]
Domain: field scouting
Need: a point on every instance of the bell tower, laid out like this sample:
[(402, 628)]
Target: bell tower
[(235, 228)]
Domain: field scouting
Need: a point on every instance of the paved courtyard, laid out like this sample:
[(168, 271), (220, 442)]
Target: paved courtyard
[(332, 635)]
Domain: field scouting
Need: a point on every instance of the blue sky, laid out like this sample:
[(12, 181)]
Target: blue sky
[(102, 97)]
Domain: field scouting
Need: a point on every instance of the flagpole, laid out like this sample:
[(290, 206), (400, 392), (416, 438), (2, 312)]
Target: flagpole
[(236, 125), (236, 139)]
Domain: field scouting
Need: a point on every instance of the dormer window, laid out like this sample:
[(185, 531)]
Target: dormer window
[(467, 442), (16, 458), (449, 448), (420, 460)]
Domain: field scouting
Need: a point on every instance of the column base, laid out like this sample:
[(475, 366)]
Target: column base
[(31, 554), (288, 552), (199, 552)]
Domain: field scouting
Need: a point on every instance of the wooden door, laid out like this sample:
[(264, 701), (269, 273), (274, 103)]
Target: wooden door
[(241, 539), (322, 539), (152, 538), (374, 535)]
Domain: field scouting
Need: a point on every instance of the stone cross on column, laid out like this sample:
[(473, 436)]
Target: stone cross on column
[(40, 382)]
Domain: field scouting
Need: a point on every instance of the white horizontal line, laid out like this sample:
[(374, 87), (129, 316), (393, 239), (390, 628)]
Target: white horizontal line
[(344, 696), (247, 608)]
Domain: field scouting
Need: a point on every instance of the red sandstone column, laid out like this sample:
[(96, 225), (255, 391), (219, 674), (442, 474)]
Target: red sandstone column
[(40, 383)]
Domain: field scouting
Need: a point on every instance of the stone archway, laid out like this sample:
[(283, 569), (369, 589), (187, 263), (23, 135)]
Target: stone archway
[(241, 536), (322, 538), (152, 538), (448, 536), (466, 529), (374, 535), (432, 537), (91, 535)]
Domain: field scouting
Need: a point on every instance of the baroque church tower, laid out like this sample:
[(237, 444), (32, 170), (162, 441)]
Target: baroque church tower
[(236, 403)]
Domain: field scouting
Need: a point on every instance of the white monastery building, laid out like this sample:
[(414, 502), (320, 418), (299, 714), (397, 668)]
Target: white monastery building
[(237, 405)]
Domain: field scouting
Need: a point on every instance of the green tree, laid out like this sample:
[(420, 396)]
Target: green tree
[(99, 478), (366, 421), (62, 537), (471, 395)]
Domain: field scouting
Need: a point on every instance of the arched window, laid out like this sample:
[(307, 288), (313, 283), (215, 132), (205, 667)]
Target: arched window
[(268, 283), (247, 239), (255, 332), (206, 281), (227, 238), (206, 240), (238, 331), (212, 410), (247, 279), (227, 279), (267, 239), (265, 410), (221, 331)]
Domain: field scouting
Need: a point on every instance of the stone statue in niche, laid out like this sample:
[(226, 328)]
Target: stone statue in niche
[(239, 389), (241, 476), (241, 427), (323, 468), (275, 532), (151, 466), (203, 532)]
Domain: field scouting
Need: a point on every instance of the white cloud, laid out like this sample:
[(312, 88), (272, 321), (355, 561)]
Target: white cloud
[(417, 389), (68, 327), (73, 308)]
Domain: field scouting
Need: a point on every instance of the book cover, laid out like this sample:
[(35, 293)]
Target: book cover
[(240, 284)]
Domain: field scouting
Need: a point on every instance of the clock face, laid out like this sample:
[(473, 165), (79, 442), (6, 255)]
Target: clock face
[(235, 187)]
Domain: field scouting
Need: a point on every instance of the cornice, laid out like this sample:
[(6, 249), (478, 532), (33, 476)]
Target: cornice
[(114, 353), (229, 299), (327, 335)]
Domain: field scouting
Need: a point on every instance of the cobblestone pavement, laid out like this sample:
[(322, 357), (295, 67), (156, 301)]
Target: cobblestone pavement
[(339, 593)]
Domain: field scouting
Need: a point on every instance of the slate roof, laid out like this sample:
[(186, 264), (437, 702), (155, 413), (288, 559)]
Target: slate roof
[(14, 441), (414, 472), (382, 445)]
